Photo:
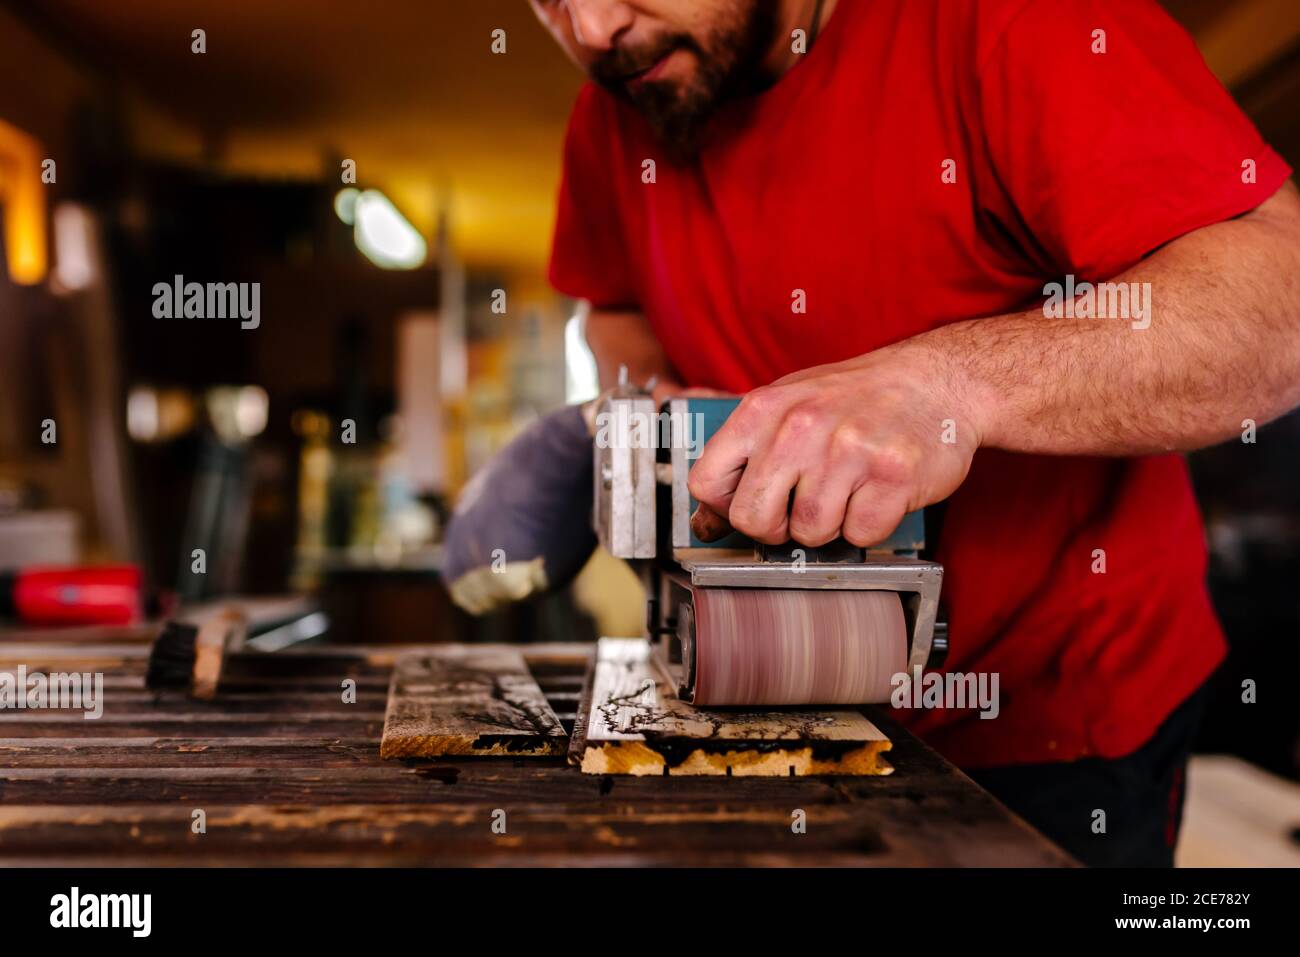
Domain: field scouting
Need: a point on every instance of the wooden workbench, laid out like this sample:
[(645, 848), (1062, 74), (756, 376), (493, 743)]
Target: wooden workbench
[(286, 773)]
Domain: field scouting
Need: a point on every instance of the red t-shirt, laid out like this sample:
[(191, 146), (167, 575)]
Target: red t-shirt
[(1067, 161)]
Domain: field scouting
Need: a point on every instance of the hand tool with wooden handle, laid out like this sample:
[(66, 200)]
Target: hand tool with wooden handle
[(193, 655)]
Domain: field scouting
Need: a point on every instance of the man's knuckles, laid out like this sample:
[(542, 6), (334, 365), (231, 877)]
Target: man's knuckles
[(708, 484), (749, 519), (870, 519), (891, 462), (814, 521), (756, 405), (894, 466), (865, 533), (800, 423)]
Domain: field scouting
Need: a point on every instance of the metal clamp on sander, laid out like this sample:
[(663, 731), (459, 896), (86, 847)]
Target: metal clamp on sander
[(738, 623)]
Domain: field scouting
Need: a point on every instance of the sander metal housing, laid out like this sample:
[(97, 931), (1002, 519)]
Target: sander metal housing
[(642, 510)]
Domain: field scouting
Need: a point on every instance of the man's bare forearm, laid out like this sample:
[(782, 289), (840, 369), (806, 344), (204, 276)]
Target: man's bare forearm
[(860, 443), (624, 338), (1222, 346)]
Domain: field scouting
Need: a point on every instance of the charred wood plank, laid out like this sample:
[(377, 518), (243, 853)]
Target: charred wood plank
[(637, 725), (464, 700)]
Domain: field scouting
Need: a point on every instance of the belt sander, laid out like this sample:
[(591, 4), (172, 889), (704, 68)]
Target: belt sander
[(731, 622), (739, 623)]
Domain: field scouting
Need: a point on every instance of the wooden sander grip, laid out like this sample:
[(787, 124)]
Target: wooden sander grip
[(771, 646)]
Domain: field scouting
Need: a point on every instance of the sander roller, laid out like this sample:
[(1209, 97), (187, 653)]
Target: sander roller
[(742, 624), (750, 646)]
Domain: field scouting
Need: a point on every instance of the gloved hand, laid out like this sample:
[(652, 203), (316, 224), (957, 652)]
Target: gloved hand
[(523, 524)]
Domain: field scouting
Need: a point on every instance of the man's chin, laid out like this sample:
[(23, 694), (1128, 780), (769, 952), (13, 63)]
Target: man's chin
[(682, 140), (679, 119)]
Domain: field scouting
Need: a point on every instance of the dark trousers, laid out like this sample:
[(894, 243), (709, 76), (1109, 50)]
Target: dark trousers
[(1141, 795)]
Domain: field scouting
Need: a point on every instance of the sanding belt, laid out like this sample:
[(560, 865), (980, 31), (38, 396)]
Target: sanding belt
[(770, 646)]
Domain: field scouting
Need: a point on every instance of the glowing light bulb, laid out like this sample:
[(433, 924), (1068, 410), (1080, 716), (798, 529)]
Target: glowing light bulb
[(383, 234)]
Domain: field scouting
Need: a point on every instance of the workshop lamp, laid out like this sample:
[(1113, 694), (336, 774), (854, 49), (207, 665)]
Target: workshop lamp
[(379, 229)]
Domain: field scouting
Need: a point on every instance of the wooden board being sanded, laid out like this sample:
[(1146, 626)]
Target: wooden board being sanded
[(463, 700), (635, 724)]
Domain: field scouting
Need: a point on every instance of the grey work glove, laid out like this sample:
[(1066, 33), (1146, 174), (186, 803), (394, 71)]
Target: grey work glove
[(523, 524)]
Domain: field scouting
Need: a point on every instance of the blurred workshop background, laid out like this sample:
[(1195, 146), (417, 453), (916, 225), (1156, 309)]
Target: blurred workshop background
[(410, 300)]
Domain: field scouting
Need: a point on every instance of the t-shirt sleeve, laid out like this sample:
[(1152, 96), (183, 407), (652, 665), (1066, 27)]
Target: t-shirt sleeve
[(589, 258), (1106, 156)]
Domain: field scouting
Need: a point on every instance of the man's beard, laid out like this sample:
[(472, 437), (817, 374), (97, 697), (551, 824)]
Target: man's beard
[(728, 64)]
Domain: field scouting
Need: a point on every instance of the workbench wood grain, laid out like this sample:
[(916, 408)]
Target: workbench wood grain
[(293, 781)]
